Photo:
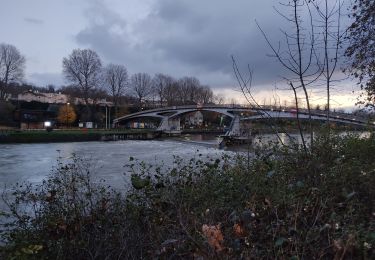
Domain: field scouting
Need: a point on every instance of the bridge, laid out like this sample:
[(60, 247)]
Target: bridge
[(170, 116)]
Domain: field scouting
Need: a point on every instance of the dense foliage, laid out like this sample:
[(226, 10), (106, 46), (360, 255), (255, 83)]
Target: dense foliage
[(281, 204), (361, 50)]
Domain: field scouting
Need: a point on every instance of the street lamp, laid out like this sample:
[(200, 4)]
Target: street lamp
[(66, 112), (107, 117)]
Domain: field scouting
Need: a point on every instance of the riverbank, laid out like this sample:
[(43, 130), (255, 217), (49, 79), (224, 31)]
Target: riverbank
[(8, 135), (282, 204), (75, 135)]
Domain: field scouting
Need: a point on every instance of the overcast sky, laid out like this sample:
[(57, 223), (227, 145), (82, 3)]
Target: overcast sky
[(176, 37)]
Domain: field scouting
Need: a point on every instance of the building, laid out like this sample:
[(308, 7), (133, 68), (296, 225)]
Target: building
[(51, 98), (194, 119), (58, 98), (34, 119)]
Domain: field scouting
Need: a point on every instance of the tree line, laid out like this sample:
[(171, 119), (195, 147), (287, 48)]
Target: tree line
[(83, 69), (89, 79)]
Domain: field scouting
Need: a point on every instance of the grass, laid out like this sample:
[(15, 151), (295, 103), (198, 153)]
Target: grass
[(283, 204)]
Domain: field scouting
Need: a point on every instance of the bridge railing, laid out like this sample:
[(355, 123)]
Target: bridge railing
[(337, 115), (164, 109)]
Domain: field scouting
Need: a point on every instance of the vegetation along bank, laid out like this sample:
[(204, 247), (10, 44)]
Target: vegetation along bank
[(282, 204)]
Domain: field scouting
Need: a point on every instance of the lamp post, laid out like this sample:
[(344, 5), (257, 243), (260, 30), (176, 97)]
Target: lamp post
[(106, 116), (109, 117), (66, 112)]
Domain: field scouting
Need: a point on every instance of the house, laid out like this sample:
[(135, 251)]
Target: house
[(58, 98), (195, 118), (51, 98)]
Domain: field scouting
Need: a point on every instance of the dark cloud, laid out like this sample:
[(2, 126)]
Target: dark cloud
[(33, 21), (108, 34), (205, 34), (188, 37)]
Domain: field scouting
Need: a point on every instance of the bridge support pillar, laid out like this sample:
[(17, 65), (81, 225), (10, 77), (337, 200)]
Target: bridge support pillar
[(175, 124), (235, 129), (164, 125), (170, 124)]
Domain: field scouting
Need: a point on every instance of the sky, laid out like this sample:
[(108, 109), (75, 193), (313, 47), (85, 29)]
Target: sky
[(175, 37)]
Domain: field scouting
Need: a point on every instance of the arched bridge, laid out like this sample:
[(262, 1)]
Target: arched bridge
[(170, 116)]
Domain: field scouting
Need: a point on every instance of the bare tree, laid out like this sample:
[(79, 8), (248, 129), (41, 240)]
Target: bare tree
[(245, 85), (51, 88), (160, 84), (188, 90), (83, 68), (141, 85), (298, 119), (205, 95), (171, 94), (72, 91), (116, 79), (96, 95), (219, 99), (301, 52), (299, 57), (183, 90), (329, 22), (12, 66)]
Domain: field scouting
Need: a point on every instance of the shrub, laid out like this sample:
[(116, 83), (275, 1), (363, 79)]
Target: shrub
[(69, 216), (283, 204)]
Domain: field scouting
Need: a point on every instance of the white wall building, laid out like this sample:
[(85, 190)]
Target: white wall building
[(57, 98), (51, 98), (195, 118)]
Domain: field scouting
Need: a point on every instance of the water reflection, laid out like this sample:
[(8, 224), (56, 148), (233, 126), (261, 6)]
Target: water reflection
[(209, 139)]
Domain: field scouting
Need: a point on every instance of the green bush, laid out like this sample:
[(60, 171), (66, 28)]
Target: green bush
[(281, 204)]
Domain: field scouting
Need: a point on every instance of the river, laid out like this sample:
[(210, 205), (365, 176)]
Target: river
[(33, 162)]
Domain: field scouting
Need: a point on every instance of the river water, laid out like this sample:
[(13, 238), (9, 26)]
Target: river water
[(33, 162)]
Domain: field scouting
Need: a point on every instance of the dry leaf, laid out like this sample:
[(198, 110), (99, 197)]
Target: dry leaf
[(338, 245), (214, 236), (239, 231)]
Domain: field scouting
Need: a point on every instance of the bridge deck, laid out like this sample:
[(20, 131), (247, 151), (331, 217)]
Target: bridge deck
[(228, 110)]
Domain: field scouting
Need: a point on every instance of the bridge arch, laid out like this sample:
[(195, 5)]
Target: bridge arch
[(170, 116), (223, 112), (141, 121)]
